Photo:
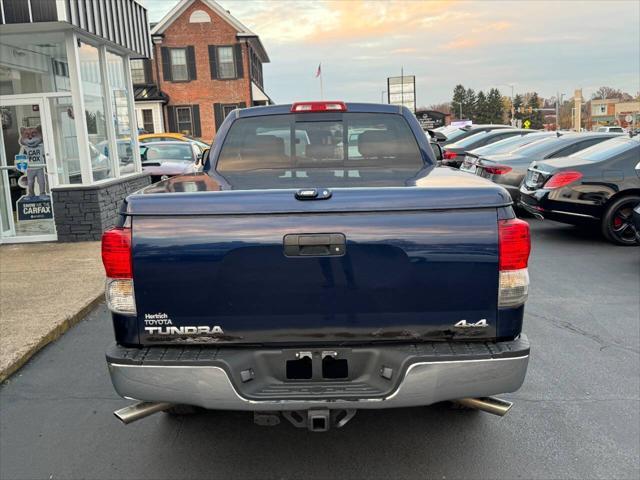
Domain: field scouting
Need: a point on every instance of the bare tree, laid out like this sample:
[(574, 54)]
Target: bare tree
[(440, 107), (604, 93)]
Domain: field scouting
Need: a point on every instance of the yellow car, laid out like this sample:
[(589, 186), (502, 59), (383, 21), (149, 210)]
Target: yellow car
[(167, 136)]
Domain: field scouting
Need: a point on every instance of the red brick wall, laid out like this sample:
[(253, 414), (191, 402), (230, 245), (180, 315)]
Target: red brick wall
[(204, 91)]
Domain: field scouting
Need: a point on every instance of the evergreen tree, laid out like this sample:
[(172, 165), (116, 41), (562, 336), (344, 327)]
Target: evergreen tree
[(517, 106), (536, 116), (480, 108), (470, 103), (459, 94), (494, 106)]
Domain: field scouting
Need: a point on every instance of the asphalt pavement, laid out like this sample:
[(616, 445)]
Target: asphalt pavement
[(577, 415)]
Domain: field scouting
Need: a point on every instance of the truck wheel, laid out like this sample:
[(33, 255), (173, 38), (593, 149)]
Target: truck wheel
[(617, 222), (179, 410)]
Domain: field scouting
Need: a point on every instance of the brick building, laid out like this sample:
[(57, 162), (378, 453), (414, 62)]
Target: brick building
[(205, 64)]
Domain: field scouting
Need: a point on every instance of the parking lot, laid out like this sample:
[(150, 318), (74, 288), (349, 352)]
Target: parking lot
[(577, 415)]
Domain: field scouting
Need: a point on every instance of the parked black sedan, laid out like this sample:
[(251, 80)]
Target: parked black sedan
[(509, 169), (455, 134), (454, 153), (598, 185)]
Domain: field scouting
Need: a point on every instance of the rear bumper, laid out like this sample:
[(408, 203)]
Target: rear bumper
[(537, 202), (422, 374)]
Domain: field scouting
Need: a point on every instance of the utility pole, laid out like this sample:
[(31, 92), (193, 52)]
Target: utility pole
[(558, 102), (513, 110), (459, 103), (557, 111), (402, 85)]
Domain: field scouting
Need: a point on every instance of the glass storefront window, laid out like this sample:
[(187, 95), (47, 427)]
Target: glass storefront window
[(92, 84), (65, 140), (26, 187), (120, 108), (33, 63)]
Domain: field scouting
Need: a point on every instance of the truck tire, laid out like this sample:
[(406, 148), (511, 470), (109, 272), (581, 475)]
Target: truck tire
[(181, 410), (617, 222)]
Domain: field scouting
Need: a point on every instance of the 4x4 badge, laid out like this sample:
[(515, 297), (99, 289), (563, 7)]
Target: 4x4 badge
[(479, 324)]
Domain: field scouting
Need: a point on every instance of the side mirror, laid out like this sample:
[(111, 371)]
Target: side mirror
[(203, 157), (437, 150)]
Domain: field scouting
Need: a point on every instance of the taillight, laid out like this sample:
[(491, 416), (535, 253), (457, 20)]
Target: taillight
[(300, 107), (116, 252), (562, 179), (116, 257), (514, 246), (497, 169), (449, 155)]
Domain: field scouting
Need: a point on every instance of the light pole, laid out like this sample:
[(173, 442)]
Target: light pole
[(382, 96), (513, 110), (459, 103), (558, 102)]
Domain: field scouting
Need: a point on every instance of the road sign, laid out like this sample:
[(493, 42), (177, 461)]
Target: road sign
[(628, 119), (526, 123)]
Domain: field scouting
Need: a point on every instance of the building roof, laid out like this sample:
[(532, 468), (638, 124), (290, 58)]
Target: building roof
[(600, 101), (243, 31)]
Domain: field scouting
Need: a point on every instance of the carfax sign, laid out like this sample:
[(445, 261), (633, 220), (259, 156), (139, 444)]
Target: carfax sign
[(34, 208)]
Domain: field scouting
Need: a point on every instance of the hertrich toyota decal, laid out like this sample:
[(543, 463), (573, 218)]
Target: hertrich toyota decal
[(161, 324)]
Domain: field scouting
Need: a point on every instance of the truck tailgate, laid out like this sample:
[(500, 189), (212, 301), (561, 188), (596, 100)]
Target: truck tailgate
[(228, 277)]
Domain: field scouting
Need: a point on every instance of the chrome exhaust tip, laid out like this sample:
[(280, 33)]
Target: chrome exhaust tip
[(140, 410), (493, 405)]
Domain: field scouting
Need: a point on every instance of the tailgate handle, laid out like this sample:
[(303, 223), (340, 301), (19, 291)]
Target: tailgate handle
[(315, 245)]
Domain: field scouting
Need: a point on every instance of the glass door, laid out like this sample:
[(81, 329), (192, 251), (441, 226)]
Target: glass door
[(26, 160)]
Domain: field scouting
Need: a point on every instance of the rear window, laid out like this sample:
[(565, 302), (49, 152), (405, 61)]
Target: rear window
[(158, 152), (454, 133), (610, 129), (605, 150), (540, 146), (336, 149), (472, 139), (509, 144)]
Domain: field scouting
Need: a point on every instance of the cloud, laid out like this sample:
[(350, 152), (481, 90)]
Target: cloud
[(480, 43), (332, 21), (556, 39), (404, 50), (460, 43), (493, 27)]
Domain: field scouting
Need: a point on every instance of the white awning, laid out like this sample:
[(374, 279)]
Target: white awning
[(257, 94)]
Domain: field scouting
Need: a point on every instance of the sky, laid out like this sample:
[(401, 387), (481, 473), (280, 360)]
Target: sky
[(535, 45)]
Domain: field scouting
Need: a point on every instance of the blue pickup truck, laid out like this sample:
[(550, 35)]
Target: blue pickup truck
[(320, 264)]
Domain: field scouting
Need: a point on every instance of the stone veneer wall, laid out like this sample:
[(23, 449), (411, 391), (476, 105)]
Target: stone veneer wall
[(83, 212)]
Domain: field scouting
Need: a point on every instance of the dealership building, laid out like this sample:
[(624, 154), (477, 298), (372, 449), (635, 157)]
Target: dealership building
[(68, 149)]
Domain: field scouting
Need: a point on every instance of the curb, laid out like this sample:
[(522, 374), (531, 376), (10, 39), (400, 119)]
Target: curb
[(51, 336)]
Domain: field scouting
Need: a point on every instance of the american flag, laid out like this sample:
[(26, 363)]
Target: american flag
[(319, 71)]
